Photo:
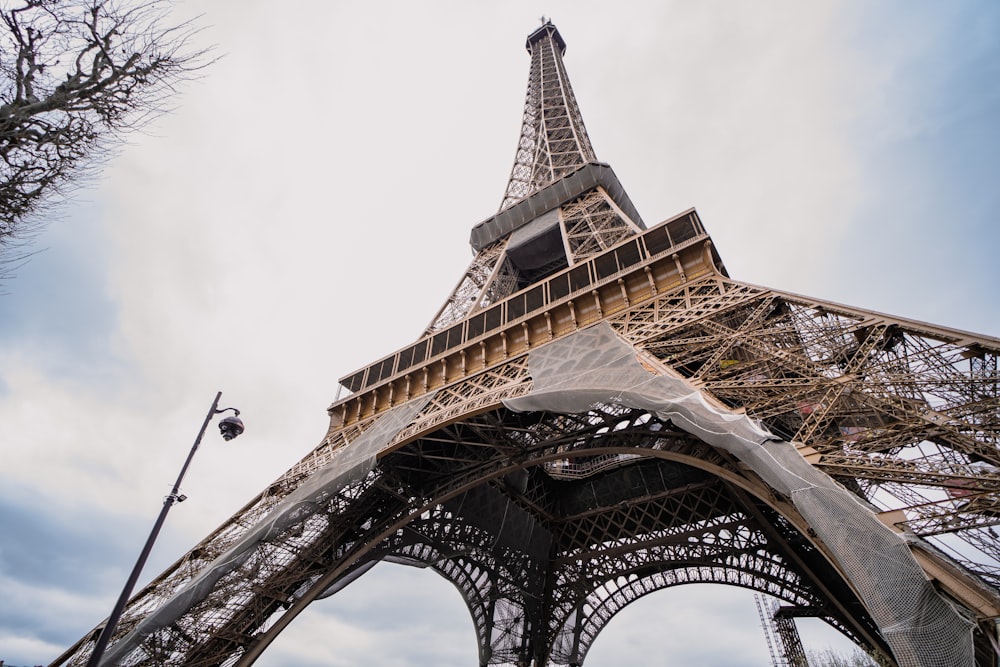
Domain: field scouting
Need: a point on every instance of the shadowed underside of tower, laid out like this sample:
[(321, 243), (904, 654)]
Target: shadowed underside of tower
[(598, 412)]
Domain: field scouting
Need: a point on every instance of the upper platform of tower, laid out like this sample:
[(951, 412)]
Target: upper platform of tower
[(555, 162), (566, 248)]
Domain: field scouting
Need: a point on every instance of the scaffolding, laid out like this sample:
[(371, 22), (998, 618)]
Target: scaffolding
[(783, 641)]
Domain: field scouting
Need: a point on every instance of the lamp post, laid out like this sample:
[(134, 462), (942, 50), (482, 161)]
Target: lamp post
[(231, 427)]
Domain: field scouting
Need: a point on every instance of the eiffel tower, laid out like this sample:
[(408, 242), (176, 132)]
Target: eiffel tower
[(599, 412)]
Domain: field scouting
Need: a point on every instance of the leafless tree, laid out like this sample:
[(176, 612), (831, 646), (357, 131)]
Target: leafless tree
[(75, 76)]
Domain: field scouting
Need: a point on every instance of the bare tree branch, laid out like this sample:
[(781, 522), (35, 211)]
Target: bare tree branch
[(75, 77)]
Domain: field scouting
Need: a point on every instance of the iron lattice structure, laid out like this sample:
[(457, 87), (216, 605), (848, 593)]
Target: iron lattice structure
[(783, 640), (599, 412)]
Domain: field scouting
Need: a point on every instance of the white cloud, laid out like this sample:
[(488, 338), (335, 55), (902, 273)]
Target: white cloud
[(687, 625), (394, 615)]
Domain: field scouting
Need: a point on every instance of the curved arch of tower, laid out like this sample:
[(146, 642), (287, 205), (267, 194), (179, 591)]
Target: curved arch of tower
[(599, 412)]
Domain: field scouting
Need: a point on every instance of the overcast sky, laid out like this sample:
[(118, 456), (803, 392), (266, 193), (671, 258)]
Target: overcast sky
[(306, 209)]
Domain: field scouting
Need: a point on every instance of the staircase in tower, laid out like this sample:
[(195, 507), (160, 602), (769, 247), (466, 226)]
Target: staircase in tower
[(599, 412)]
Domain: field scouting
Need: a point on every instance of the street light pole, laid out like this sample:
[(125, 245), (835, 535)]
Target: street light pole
[(174, 497)]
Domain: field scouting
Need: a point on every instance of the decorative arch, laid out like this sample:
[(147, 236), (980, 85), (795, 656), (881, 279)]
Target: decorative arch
[(731, 545)]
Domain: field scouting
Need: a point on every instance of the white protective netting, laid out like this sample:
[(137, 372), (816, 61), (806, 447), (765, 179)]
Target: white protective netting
[(596, 366), (348, 465)]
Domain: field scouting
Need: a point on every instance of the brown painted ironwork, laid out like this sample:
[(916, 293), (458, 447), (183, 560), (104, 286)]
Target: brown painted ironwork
[(550, 524)]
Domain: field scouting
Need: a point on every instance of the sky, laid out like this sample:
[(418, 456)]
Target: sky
[(305, 209)]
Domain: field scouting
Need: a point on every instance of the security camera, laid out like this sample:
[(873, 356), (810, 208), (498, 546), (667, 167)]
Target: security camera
[(230, 427)]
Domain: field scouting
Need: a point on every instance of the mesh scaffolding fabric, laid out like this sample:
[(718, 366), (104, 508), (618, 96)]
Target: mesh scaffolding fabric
[(595, 366), (348, 465)]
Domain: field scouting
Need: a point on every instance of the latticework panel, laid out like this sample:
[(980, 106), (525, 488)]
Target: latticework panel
[(471, 395), (904, 413), (553, 139), (492, 578), (593, 224), (489, 278), (243, 600), (687, 528), (724, 545), (495, 571)]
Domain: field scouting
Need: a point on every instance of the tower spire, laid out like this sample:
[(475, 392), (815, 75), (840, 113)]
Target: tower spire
[(553, 140), (542, 228)]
